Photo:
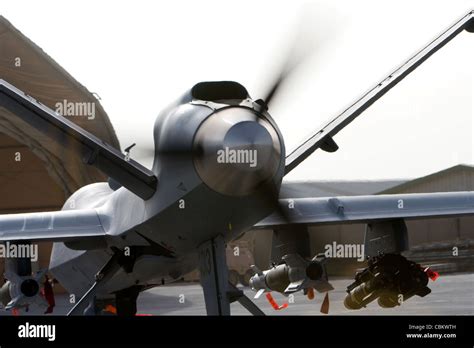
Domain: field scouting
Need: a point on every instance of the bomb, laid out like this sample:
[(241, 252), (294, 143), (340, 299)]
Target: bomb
[(292, 274)]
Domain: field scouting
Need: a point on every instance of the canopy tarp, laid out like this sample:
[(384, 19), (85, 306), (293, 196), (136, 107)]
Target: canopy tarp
[(27, 183)]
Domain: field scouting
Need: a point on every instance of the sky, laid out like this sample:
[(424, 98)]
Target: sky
[(139, 56)]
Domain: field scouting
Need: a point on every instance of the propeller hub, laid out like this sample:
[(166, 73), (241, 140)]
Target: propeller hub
[(236, 150)]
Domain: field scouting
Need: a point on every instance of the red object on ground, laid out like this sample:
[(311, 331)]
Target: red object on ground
[(431, 274), (274, 304)]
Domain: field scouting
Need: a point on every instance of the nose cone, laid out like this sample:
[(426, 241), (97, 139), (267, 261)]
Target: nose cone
[(247, 146), (236, 151)]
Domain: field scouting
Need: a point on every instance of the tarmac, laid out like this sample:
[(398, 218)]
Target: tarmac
[(451, 295)]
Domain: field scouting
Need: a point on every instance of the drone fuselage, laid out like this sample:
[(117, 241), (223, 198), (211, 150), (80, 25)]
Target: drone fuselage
[(216, 163)]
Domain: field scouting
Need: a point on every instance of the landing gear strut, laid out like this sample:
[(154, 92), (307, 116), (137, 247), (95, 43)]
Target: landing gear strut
[(219, 293)]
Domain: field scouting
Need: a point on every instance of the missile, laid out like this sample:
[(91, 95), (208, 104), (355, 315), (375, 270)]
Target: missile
[(389, 278)]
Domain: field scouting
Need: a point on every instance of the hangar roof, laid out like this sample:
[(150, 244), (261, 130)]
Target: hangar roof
[(460, 178), (368, 187), (29, 68), (332, 188)]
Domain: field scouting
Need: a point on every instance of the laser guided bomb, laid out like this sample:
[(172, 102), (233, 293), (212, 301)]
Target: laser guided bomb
[(22, 287), (19, 291), (292, 274), (389, 278)]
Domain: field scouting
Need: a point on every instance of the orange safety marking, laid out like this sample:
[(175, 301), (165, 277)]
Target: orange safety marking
[(310, 293), (274, 304), (111, 309), (325, 305)]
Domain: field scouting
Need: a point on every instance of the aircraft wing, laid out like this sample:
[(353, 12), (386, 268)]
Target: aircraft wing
[(323, 138), (94, 151), (363, 209), (75, 227)]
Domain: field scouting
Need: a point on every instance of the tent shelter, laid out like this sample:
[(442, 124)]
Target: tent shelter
[(35, 173)]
